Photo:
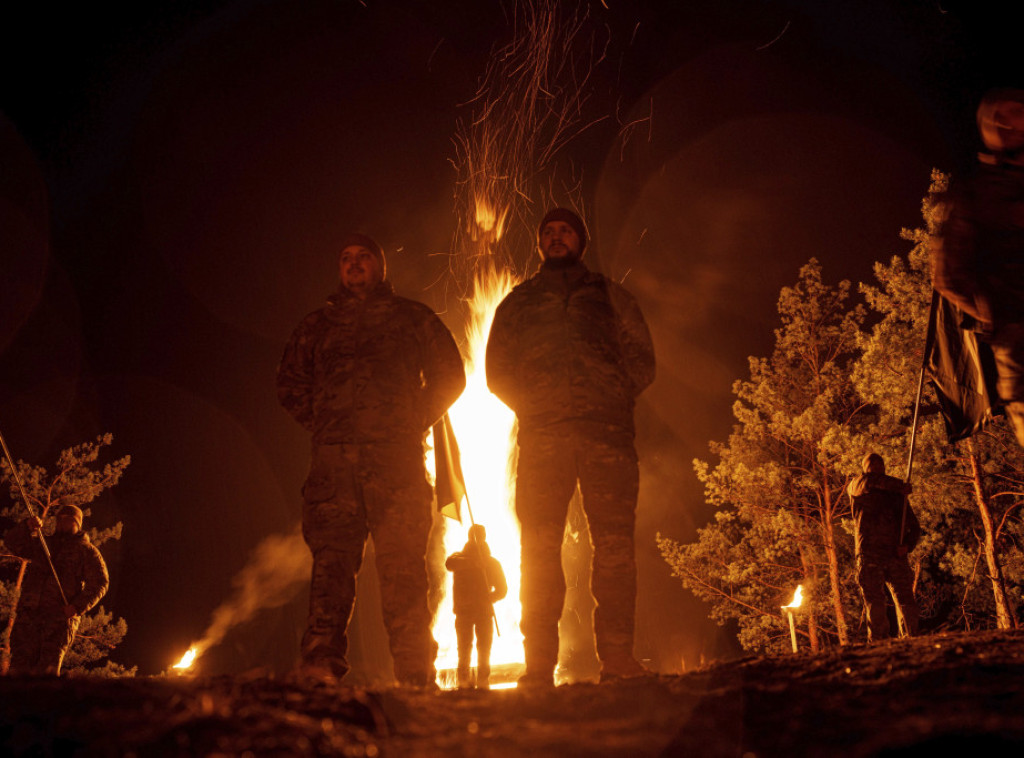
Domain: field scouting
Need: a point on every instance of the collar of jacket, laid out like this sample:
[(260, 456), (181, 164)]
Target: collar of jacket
[(575, 272), (342, 296), (63, 538)]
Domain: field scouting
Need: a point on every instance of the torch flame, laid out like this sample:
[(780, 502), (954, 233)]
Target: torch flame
[(187, 660), (798, 597)]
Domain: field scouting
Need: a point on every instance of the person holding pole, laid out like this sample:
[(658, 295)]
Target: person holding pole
[(367, 375), (885, 531), (53, 595), (978, 254), (478, 583)]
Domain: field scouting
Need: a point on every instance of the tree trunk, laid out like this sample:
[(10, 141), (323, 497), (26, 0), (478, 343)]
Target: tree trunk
[(835, 583), (5, 653), (812, 631), (1005, 618)]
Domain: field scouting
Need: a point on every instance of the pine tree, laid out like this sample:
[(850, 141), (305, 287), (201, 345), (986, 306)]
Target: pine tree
[(968, 495), (780, 480), (831, 392), (77, 480)]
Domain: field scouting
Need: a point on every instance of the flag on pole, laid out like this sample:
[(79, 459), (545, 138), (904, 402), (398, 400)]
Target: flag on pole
[(962, 370), (449, 484)]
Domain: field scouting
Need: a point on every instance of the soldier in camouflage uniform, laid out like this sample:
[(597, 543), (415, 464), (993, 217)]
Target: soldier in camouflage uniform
[(44, 625), (881, 549), (569, 352), (978, 255), (367, 375)]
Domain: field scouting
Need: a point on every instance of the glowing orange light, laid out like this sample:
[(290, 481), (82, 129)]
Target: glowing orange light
[(484, 429), (798, 598), (490, 224), (187, 659)]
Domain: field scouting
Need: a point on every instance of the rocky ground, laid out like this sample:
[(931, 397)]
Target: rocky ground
[(924, 696)]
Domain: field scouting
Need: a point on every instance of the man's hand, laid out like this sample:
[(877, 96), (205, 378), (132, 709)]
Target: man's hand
[(34, 525)]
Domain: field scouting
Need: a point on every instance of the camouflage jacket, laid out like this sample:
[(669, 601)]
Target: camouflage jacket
[(877, 514), (570, 347), (477, 581), (82, 571), (978, 255), (381, 369)]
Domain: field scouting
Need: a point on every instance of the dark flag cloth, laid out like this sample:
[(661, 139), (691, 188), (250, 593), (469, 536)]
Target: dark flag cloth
[(962, 370), (449, 484)]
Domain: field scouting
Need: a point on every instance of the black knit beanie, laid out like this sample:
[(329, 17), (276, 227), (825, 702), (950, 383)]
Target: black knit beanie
[(567, 216)]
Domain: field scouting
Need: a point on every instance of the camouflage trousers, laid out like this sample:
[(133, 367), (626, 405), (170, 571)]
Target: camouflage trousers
[(1008, 349), (354, 491), (482, 625), (874, 573), (40, 639), (549, 468)]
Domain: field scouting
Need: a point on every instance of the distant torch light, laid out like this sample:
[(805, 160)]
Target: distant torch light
[(798, 598), (186, 661)]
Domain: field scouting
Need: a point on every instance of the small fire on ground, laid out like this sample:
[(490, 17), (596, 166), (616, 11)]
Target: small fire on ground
[(186, 660)]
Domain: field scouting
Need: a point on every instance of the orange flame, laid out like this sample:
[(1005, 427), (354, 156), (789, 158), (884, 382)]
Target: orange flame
[(798, 598), (489, 222), (484, 429), (187, 659)]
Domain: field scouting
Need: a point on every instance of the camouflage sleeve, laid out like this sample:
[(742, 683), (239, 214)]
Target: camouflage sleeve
[(496, 577), (635, 340), (444, 374), (295, 376), (502, 356), (954, 259), (95, 582)]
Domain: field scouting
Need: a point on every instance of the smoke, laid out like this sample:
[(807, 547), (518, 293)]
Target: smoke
[(277, 570)]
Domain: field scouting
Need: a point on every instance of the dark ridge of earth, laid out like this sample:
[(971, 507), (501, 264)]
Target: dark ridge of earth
[(927, 696)]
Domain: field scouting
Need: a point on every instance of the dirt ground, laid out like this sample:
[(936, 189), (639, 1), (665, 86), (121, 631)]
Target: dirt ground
[(924, 696)]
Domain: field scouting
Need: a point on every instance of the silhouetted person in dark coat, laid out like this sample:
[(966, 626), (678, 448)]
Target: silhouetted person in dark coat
[(879, 512), (479, 582)]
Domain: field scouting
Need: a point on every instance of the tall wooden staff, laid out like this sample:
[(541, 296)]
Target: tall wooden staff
[(28, 505), (929, 341)]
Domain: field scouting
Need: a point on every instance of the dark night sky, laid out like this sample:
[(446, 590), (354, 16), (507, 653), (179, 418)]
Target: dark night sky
[(176, 177)]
